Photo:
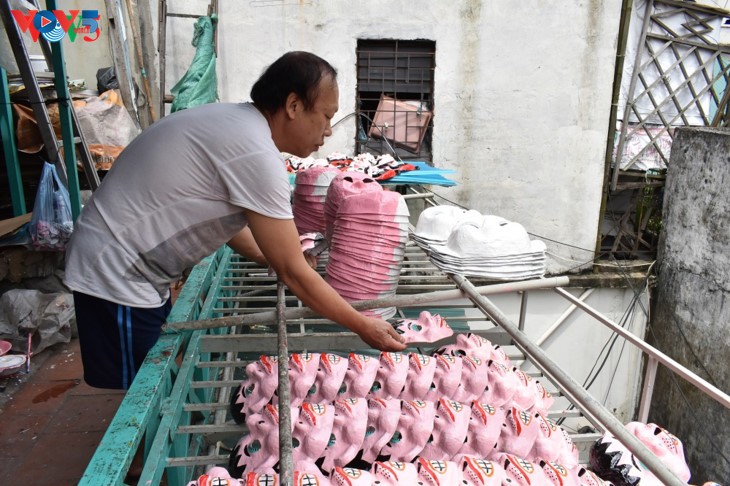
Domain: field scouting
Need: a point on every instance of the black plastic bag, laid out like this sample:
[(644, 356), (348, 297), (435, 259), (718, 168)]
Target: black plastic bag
[(106, 79)]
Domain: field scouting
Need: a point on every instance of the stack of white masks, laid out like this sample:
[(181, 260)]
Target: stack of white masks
[(367, 247), (490, 247), (435, 224), (310, 192)]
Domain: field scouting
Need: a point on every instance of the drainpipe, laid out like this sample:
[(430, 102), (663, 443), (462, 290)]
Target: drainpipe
[(623, 34)]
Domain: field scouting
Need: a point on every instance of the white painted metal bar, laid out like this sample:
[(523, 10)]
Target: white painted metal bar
[(549, 332), (415, 300), (648, 389), (578, 395), (709, 389)]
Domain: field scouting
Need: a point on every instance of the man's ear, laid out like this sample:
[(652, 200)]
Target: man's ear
[(293, 105)]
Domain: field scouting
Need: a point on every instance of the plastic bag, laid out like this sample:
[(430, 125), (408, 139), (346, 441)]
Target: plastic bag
[(52, 223)]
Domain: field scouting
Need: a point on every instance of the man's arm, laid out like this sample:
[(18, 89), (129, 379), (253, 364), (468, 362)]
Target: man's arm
[(245, 245), (279, 242)]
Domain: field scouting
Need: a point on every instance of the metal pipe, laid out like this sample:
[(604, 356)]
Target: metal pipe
[(580, 396), (523, 311), (415, 300), (648, 389), (677, 368), (286, 463)]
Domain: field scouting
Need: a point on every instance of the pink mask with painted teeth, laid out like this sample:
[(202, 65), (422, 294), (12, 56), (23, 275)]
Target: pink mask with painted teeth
[(519, 434), (258, 451), (551, 443), (258, 388), (311, 434), (446, 378), (421, 370), (485, 426), (481, 472), (359, 377), (474, 379), (666, 446), (345, 476), (330, 374), (559, 475), (449, 430), (391, 376), (522, 472), (413, 431), (383, 418), (439, 473), (216, 476), (503, 384), (392, 473), (302, 373), (427, 328), (526, 393), (348, 432)]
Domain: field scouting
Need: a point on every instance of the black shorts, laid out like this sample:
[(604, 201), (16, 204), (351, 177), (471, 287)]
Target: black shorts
[(115, 339)]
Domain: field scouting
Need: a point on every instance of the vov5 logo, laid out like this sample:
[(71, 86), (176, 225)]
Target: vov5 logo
[(53, 25)]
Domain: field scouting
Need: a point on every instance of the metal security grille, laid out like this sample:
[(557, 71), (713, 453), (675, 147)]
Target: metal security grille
[(398, 77), (680, 78)]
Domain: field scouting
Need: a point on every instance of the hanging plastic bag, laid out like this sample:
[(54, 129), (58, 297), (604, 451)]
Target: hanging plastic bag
[(51, 224)]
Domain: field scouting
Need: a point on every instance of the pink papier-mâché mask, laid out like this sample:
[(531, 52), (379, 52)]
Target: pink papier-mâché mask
[(427, 328), (217, 476), (421, 370), (439, 473), (312, 433), (503, 384), (526, 394), (446, 378), (559, 475), (485, 426), (519, 435), (392, 473), (474, 379), (544, 400), (413, 431), (449, 430), (391, 376), (383, 418), (257, 389), (553, 443), (330, 375), (348, 432), (589, 478), (359, 377), (347, 476), (522, 472), (665, 446), (302, 373), (259, 449), (481, 472)]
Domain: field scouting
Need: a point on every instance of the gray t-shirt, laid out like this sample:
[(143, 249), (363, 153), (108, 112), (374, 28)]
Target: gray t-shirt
[(173, 196)]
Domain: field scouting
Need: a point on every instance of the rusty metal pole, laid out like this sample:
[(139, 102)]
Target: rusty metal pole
[(286, 463)]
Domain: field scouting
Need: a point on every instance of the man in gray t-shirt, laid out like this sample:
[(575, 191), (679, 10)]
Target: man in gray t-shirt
[(189, 183)]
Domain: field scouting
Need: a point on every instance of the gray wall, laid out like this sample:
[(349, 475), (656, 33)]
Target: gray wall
[(693, 298)]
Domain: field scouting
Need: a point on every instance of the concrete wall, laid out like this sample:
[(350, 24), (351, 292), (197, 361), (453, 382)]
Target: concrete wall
[(691, 314), (522, 92)]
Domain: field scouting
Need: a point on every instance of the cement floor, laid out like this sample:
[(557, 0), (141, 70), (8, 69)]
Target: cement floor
[(50, 421)]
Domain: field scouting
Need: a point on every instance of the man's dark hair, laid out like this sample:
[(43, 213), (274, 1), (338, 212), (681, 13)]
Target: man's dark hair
[(296, 72)]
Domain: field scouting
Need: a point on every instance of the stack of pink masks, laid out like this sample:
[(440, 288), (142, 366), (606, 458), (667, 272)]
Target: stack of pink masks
[(309, 196), (367, 247), (344, 185)]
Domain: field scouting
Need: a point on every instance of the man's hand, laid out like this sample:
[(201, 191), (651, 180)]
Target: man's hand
[(311, 260), (380, 335)]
